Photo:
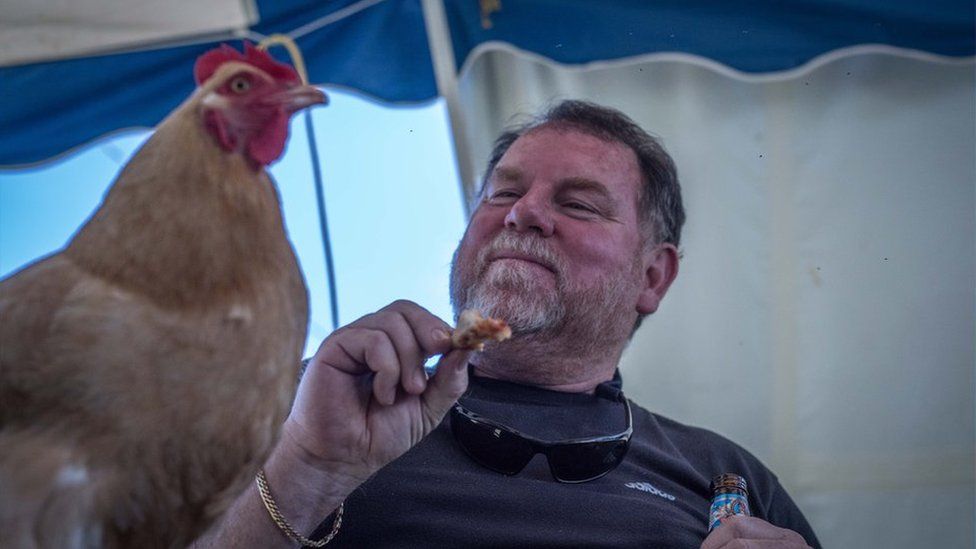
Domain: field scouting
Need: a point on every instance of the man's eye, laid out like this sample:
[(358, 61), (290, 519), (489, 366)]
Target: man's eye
[(579, 206), (502, 196)]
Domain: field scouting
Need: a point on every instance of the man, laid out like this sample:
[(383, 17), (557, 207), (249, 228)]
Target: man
[(575, 239)]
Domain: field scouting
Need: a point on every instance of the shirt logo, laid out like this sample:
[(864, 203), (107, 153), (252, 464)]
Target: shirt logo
[(649, 488)]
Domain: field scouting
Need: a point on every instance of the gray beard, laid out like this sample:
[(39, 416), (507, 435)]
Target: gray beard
[(514, 295), (579, 318), (559, 332)]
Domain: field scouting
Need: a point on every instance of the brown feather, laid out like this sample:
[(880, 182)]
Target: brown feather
[(157, 354)]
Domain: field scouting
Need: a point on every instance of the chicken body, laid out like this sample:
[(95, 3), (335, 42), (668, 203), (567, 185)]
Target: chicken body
[(145, 370)]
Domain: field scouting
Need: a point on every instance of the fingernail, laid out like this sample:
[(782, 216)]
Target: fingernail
[(440, 334)]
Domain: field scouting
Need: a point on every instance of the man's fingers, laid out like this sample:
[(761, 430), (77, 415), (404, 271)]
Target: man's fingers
[(408, 349), (432, 333), (420, 335), (410, 334), (373, 349), (448, 384), (743, 531), (416, 335)]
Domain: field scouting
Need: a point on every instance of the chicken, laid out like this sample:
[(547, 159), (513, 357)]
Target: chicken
[(145, 369)]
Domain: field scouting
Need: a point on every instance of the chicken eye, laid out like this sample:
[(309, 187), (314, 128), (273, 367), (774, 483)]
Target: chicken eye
[(240, 85)]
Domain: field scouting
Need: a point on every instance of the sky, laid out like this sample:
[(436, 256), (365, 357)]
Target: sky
[(392, 194)]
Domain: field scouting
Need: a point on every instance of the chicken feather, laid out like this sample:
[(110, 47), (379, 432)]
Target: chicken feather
[(145, 369)]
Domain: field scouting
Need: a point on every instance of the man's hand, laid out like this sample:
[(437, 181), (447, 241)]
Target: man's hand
[(741, 532), (364, 399)]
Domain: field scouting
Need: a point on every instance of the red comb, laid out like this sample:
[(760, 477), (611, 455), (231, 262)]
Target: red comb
[(207, 63)]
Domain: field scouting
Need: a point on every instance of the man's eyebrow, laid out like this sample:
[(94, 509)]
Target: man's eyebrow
[(506, 173), (584, 184)]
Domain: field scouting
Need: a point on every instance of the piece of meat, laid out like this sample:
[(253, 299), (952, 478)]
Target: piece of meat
[(473, 330)]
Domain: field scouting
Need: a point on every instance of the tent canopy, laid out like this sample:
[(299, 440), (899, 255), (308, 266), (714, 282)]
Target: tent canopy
[(69, 74), (378, 48), (750, 36)]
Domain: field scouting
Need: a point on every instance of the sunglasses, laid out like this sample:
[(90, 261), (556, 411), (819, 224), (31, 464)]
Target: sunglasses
[(506, 450)]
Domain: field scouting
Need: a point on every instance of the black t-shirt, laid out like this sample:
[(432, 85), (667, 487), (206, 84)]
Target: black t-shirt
[(436, 496)]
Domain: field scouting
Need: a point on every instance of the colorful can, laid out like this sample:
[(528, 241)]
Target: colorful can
[(730, 496)]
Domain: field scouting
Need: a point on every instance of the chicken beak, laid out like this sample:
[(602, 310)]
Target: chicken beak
[(299, 97)]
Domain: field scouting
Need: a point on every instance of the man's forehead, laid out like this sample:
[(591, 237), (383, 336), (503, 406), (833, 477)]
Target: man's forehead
[(562, 132), (581, 159)]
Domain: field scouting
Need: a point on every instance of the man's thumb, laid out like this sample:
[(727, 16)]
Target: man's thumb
[(448, 384)]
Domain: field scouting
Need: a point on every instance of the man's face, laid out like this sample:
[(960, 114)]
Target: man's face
[(555, 243)]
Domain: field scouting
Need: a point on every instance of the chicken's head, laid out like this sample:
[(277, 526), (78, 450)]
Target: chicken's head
[(247, 99)]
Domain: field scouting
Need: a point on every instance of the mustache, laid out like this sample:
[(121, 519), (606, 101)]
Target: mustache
[(533, 248)]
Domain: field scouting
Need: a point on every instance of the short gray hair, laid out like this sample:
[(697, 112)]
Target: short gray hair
[(659, 204)]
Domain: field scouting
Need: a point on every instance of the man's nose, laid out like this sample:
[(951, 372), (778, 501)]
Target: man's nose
[(530, 213)]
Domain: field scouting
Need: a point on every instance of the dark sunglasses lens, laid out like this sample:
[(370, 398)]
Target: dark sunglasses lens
[(493, 448), (583, 462)]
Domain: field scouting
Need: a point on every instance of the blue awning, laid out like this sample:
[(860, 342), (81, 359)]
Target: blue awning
[(380, 48), (747, 35), (47, 108)]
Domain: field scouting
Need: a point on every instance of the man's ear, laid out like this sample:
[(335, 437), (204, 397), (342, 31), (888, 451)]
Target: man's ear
[(660, 269)]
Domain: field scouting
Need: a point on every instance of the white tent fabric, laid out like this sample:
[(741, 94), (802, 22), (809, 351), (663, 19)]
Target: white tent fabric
[(824, 313), (57, 29)]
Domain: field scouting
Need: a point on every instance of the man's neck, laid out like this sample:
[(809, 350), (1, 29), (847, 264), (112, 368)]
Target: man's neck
[(547, 364)]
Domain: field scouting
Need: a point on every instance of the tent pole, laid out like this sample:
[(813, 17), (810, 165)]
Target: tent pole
[(323, 220), (445, 73)]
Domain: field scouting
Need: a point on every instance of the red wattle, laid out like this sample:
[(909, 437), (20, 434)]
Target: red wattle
[(269, 142)]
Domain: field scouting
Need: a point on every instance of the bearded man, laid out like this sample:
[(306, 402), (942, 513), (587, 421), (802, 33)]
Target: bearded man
[(575, 240)]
